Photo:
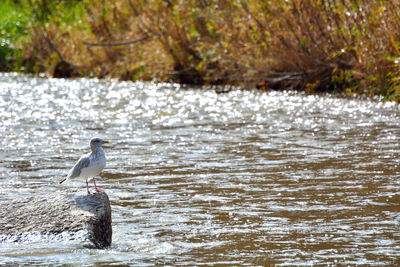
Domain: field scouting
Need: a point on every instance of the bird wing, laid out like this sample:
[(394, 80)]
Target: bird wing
[(82, 163)]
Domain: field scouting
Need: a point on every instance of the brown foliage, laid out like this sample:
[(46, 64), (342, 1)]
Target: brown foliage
[(301, 44)]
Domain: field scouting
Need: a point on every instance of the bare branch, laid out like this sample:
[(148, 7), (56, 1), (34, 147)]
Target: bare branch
[(118, 43)]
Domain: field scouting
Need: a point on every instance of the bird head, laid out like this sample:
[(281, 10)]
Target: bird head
[(97, 142)]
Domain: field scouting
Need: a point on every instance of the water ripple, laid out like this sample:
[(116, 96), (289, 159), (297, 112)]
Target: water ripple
[(199, 178)]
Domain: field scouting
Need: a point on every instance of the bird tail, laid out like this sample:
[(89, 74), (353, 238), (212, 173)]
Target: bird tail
[(63, 180)]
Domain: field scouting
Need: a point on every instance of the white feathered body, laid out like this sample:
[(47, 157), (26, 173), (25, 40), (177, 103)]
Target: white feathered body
[(89, 165)]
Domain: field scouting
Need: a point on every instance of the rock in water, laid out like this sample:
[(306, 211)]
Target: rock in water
[(62, 215)]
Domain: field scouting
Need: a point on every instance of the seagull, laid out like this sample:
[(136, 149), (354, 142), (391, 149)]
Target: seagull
[(90, 165)]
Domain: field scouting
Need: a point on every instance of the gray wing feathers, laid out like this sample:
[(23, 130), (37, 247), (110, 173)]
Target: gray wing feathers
[(76, 170)]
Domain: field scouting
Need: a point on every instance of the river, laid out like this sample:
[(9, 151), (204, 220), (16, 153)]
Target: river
[(195, 178)]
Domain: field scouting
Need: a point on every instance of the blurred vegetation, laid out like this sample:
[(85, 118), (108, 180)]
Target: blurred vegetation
[(347, 46), (13, 27)]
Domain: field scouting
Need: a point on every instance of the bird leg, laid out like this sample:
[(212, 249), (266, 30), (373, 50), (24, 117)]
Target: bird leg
[(97, 189), (87, 187)]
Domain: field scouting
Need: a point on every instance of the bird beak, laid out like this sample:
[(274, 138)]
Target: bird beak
[(106, 142)]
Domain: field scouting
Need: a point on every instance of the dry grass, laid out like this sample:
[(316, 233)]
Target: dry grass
[(300, 44)]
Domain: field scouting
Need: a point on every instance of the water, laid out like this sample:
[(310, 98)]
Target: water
[(199, 178)]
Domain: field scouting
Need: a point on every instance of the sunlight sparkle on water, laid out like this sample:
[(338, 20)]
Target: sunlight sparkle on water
[(200, 178)]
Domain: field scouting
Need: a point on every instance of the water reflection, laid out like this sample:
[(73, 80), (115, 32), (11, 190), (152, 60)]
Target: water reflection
[(199, 178)]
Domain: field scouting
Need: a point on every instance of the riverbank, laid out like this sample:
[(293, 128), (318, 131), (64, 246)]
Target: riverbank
[(341, 46)]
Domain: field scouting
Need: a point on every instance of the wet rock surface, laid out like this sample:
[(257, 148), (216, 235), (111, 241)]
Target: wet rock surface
[(58, 216)]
